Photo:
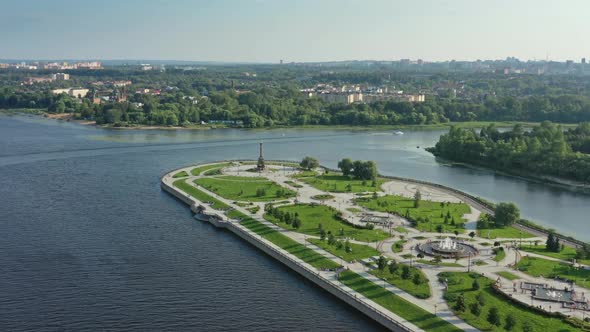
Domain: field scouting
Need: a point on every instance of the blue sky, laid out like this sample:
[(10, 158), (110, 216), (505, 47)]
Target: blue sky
[(298, 30)]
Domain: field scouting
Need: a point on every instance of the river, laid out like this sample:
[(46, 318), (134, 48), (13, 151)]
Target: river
[(89, 241)]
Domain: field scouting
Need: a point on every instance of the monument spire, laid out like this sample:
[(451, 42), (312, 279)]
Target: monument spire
[(260, 165)]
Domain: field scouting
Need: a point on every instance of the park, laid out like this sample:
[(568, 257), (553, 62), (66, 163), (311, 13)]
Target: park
[(428, 257)]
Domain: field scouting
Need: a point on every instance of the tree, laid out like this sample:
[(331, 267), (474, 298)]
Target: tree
[(347, 246), (393, 266), (472, 234), (552, 243), (510, 322), (322, 234), (309, 163), (296, 222), (527, 326), (475, 284), (481, 299), (460, 304), (494, 316), (417, 198), (381, 263), (345, 165), (506, 214), (260, 192), (440, 228), (406, 272), (475, 309), (417, 280)]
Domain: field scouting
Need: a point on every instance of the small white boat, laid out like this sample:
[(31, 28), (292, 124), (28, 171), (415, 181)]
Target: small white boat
[(397, 132)]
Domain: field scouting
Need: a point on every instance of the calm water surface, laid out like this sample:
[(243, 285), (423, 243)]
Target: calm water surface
[(88, 240)]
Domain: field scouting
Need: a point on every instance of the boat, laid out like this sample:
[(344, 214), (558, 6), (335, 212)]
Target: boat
[(397, 132)]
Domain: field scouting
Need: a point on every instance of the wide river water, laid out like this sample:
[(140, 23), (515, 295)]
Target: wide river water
[(89, 241)]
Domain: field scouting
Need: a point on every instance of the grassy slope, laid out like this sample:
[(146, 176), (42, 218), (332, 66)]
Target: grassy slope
[(243, 188), (307, 255), (180, 174), (312, 215), (567, 254), (407, 310), (506, 232), (460, 283), (200, 195), (358, 252), (421, 291), (429, 209), (549, 269), (198, 170), (337, 183)]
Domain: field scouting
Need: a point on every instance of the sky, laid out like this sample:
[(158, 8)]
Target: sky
[(295, 30)]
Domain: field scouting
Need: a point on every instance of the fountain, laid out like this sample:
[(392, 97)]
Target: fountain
[(447, 248)]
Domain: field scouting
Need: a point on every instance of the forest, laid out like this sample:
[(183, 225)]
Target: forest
[(546, 149)]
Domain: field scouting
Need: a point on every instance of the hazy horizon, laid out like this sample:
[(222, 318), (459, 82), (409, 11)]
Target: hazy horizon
[(265, 31)]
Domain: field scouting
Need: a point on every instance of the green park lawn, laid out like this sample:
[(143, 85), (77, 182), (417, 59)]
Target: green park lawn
[(354, 210), (293, 184), (180, 174), (338, 183), (505, 232), (461, 283), (508, 275), (323, 197), (432, 262), (500, 255), (200, 195), (358, 252), (421, 291), (244, 188), (312, 215), (198, 170), (549, 269), (304, 174), (426, 209), (398, 246), (405, 309), (567, 254), (306, 254)]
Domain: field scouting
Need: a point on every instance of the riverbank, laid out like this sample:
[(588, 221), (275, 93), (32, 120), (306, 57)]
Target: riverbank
[(437, 126)]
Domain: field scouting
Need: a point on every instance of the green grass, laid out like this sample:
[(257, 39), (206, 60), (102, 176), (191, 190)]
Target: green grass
[(567, 254), (198, 170), (549, 269), (180, 174), (311, 215), (293, 184), (253, 209), (407, 256), (322, 197), (447, 264), (400, 229), (398, 246), (500, 254), (505, 232), (200, 195), (338, 183), (508, 275), (244, 188), (307, 255), (421, 291), (405, 309), (358, 252), (461, 283), (304, 174), (426, 209), (354, 210), (213, 171)]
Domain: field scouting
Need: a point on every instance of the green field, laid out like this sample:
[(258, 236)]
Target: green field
[(180, 174), (244, 188), (200, 195), (354, 210), (421, 291), (500, 255), (307, 255), (447, 264), (407, 310), (198, 170), (550, 269), (338, 183), (567, 254), (426, 209), (508, 275), (322, 197), (505, 232), (461, 283), (304, 174), (358, 252), (312, 215)]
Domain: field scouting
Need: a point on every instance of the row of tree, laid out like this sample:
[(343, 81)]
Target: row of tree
[(362, 170)]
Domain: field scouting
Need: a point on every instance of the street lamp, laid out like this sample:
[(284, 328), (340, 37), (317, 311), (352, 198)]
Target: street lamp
[(435, 309)]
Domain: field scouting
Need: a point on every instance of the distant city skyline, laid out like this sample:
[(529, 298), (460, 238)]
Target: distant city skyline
[(295, 31)]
